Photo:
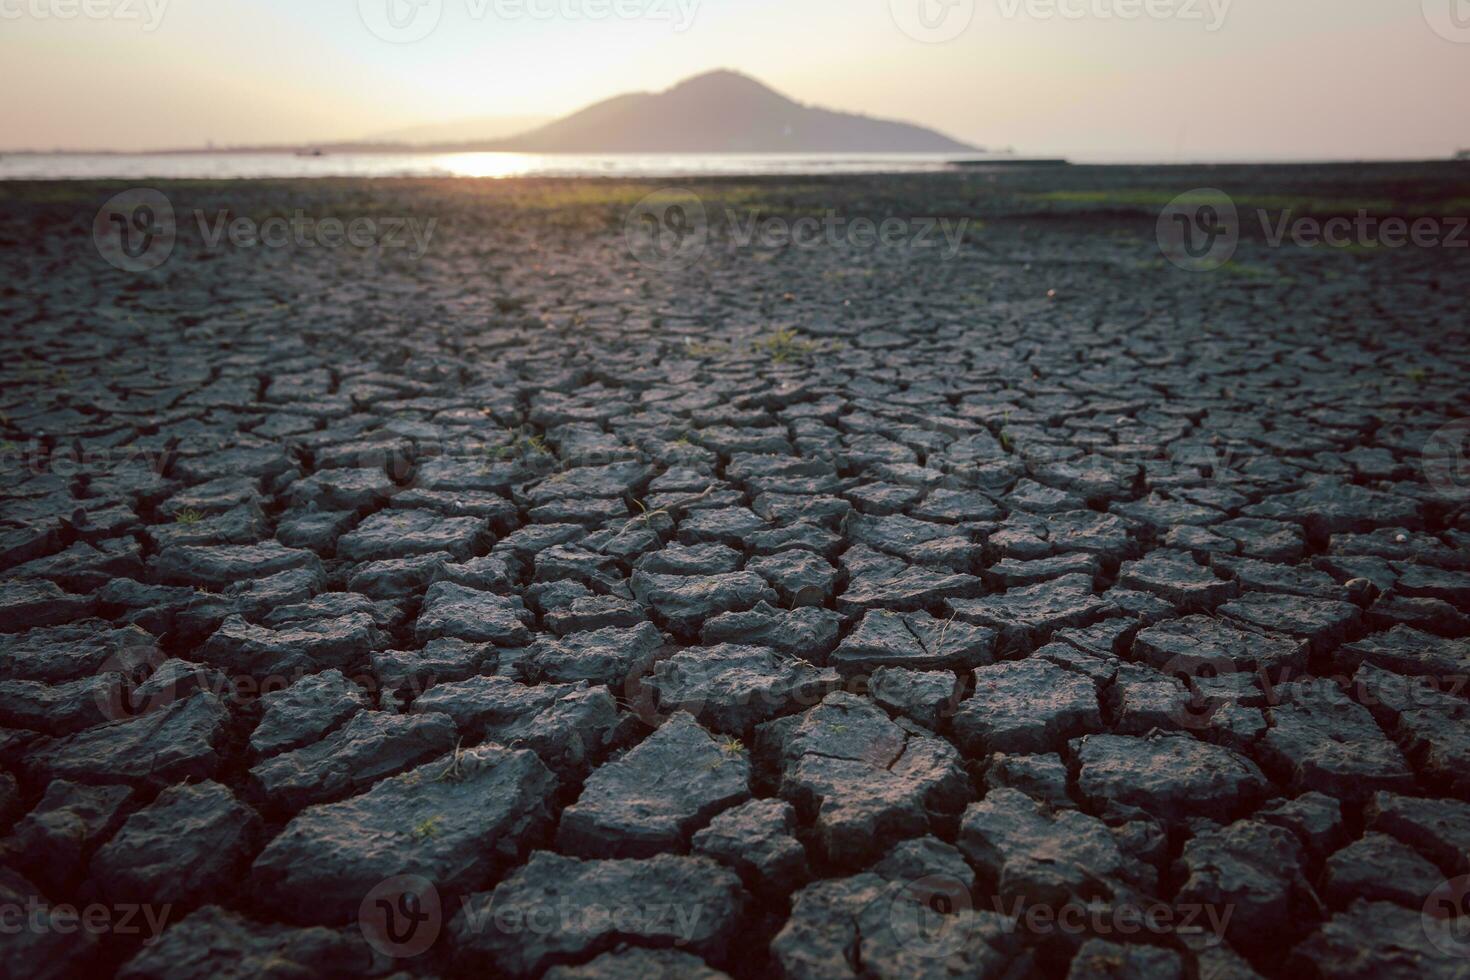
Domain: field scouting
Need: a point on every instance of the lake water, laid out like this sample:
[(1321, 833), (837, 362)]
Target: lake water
[(221, 166)]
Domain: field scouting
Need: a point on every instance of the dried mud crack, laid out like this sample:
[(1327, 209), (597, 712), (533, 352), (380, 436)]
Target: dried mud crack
[(523, 610)]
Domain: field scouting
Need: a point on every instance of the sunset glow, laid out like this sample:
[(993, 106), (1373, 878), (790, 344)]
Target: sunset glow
[(185, 73)]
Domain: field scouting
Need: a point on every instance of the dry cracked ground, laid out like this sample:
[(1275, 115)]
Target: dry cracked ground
[(521, 610)]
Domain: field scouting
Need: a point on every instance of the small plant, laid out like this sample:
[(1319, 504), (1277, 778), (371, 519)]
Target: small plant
[(697, 349), (729, 748), (454, 772), (188, 516), (521, 445), (1417, 375), (784, 345), (939, 644), (427, 829), (672, 510)]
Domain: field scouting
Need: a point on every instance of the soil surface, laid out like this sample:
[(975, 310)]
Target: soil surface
[(562, 582)]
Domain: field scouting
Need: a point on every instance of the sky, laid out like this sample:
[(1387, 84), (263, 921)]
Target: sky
[(1178, 80)]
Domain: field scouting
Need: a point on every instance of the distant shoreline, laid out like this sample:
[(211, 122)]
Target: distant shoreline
[(956, 159), (418, 150)]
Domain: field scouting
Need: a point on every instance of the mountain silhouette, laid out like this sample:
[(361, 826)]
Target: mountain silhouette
[(720, 112)]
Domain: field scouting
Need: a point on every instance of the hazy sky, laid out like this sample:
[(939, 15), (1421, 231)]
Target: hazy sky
[(1273, 79)]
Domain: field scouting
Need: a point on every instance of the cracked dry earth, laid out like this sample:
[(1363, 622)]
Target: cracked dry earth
[(685, 623)]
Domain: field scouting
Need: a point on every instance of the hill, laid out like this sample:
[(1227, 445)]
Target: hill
[(721, 112)]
